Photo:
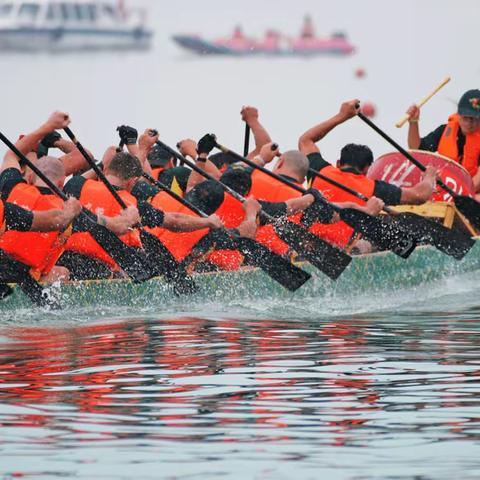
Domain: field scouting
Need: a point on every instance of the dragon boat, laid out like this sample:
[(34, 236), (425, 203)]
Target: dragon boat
[(366, 274)]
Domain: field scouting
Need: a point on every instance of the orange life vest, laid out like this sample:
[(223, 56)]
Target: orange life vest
[(40, 251), (157, 171), (269, 189), (180, 244), (3, 225), (340, 233), (232, 214), (96, 197), (448, 146)]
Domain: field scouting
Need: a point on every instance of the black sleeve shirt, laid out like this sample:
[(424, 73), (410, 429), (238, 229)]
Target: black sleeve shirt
[(9, 179), (74, 186), (431, 141), (144, 191), (17, 218), (317, 162)]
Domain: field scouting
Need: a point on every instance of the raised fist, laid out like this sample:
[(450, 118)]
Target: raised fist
[(58, 120), (128, 135), (249, 113), (206, 144)]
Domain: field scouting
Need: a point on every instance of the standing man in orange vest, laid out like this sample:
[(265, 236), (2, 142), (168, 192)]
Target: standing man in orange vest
[(459, 139)]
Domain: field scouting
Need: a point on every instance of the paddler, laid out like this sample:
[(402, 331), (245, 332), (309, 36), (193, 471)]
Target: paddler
[(123, 171), (17, 221), (275, 198), (41, 251), (351, 170), (458, 139)]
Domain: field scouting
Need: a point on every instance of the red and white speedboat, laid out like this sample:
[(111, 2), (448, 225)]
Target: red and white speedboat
[(274, 43)]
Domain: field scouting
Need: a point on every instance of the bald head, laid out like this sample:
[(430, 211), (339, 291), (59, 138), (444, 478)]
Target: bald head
[(52, 168), (294, 164)]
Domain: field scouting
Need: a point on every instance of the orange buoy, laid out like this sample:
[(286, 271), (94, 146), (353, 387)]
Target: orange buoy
[(368, 109), (360, 72)]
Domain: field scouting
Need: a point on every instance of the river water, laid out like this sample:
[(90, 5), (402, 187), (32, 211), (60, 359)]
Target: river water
[(390, 393), (369, 387)]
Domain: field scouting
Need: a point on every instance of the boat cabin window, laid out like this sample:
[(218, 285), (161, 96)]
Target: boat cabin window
[(5, 9), (72, 12), (28, 11), (86, 12)]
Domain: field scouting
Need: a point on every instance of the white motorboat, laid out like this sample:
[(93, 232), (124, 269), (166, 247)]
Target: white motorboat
[(70, 25)]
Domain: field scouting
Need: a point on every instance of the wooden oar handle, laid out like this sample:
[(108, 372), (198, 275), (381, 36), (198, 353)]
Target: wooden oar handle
[(422, 102)]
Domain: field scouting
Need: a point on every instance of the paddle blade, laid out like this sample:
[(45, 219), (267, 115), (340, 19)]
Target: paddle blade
[(327, 258), (5, 291), (451, 242), (164, 263), (126, 257), (384, 235), (36, 293), (470, 208), (276, 267)]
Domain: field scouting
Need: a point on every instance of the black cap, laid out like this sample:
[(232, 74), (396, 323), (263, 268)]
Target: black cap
[(158, 156), (208, 196), (469, 104)]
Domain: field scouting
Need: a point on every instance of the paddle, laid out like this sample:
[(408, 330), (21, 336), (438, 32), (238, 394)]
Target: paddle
[(469, 207), (16, 272), (131, 263), (160, 257), (422, 102), (277, 267), (384, 236), (325, 257), (451, 242), (246, 143)]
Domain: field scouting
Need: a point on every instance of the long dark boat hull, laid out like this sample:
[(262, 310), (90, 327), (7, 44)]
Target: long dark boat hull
[(365, 275)]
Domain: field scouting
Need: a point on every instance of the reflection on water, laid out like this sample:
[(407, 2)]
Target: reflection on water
[(378, 396)]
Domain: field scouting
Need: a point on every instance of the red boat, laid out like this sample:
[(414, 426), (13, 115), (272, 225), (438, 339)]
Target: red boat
[(274, 43)]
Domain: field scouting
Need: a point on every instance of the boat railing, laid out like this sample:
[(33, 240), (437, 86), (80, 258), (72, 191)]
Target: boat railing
[(68, 14)]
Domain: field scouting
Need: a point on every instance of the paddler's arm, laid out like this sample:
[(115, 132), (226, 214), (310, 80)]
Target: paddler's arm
[(260, 134), (145, 143), (306, 143), (176, 222), (248, 228), (199, 153), (423, 190), (56, 220), (414, 138), (29, 142), (120, 225), (73, 160), (265, 156), (373, 206)]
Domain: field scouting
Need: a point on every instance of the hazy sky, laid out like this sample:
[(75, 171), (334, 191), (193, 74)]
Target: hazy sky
[(405, 47)]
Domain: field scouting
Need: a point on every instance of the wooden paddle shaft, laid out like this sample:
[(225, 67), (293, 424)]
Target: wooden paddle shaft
[(422, 102)]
